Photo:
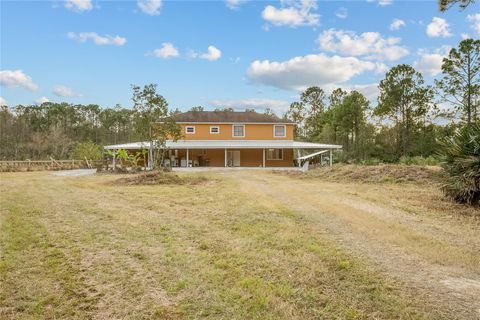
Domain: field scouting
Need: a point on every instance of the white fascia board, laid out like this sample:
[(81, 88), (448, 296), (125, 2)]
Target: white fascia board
[(230, 144), (215, 123)]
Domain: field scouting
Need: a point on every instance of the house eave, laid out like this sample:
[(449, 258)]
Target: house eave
[(222, 122), (229, 144)]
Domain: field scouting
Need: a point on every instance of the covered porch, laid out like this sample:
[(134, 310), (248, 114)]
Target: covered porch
[(234, 153)]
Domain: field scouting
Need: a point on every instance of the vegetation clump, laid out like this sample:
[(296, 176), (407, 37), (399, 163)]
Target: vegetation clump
[(462, 165), (87, 150), (160, 177), (388, 173)]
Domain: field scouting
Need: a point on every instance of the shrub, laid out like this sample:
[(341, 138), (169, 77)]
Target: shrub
[(371, 162), (462, 165), (88, 150), (419, 161), (431, 161)]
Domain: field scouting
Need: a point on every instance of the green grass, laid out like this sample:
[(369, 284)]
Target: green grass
[(31, 256), (83, 248)]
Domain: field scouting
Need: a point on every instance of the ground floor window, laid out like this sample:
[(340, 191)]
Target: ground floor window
[(274, 154)]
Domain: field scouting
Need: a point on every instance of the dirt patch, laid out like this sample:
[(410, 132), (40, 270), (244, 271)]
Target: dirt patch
[(158, 177), (374, 174)]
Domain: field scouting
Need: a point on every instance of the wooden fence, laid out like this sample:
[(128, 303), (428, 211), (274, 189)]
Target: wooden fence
[(52, 164)]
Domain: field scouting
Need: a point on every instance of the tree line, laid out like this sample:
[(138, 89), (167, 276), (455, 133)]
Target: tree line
[(403, 123), (406, 121), (54, 129)]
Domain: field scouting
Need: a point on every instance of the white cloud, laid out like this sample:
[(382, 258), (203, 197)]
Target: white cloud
[(3, 102), (254, 103), (301, 72), (447, 107), (234, 4), (368, 43), (474, 19), (63, 91), (370, 91), (465, 36), (342, 13), (381, 68), (150, 7), (397, 24), (212, 54), (42, 100), (384, 3), (292, 13), (166, 51), (431, 62), (438, 28), (16, 78), (98, 39), (79, 5)]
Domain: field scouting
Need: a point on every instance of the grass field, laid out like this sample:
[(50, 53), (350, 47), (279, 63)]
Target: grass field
[(238, 245)]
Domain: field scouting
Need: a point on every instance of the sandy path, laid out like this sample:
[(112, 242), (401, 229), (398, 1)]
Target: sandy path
[(74, 172), (427, 255)]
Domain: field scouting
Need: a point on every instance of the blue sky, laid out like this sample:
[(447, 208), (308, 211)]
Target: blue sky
[(231, 53)]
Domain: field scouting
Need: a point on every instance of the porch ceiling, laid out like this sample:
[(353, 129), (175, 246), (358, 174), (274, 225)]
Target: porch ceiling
[(229, 144)]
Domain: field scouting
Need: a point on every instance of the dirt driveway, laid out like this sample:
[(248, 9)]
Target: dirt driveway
[(433, 253)]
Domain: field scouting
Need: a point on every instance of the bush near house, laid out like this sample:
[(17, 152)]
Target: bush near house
[(462, 165), (89, 150)]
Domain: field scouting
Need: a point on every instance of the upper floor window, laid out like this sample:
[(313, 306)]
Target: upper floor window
[(190, 130), (279, 131), (214, 130), (238, 130)]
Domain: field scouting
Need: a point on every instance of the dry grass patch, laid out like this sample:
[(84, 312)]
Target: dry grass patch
[(174, 251), (388, 173), (415, 189), (160, 177), (399, 226)]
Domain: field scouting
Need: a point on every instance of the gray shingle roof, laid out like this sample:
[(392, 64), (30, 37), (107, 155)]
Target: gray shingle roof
[(227, 116)]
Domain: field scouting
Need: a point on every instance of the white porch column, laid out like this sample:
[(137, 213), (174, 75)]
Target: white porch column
[(264, 158), (114, 160), (330, 157), (150, 156), (149, 165), (298, 156), (225, 157), (187, 157)]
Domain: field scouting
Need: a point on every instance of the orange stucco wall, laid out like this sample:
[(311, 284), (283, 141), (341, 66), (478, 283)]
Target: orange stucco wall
[(252, 132), (248, 157)]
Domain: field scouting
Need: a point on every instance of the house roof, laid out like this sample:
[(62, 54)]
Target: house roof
[(230, 144), (227, 117)]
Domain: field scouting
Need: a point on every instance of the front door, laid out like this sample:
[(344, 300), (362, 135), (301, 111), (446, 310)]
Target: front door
[(233, 158)]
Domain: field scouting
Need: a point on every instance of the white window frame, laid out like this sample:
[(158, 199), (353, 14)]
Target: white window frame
[(218, 129), (188, 127), (270, 159), (284, 130), (233, 130)]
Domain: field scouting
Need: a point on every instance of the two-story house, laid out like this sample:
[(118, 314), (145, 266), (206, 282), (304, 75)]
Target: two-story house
[(233, 139)]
